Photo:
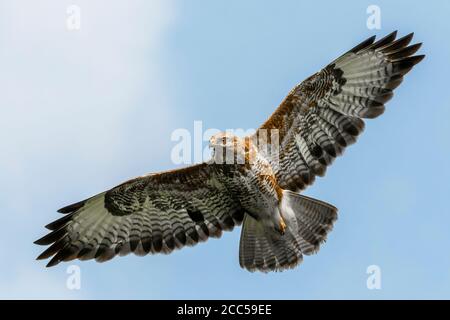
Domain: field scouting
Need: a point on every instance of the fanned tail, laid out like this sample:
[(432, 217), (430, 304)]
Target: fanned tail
[(308, 223)]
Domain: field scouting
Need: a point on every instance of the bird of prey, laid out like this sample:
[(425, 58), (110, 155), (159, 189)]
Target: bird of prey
[(161, 212)]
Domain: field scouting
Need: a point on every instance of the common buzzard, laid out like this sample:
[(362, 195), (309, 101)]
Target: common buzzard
[(160, 212)]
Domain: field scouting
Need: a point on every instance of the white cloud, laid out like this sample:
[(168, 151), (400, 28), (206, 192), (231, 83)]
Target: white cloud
[(74, 105), (68, 97)]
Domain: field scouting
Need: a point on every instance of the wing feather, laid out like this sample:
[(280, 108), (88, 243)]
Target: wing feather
[(157, 213), (323, 114)]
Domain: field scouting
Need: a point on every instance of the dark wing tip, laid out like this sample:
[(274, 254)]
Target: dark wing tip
[(59, 223), (42, 256), (418, 58), (418, 45), (53, 262), (404, 65), (51, 237), (50, 251), (383, 41), (73, 207), (410, 35), (389, 38), (64, 252), (58, 241), (404, 52), (406, 39), (363, 44)]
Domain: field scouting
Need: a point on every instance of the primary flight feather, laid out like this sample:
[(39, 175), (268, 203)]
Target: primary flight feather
[(164, 211)]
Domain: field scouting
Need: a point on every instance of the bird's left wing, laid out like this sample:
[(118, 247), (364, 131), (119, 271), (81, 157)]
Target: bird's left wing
[(323, 114), (150, 214)]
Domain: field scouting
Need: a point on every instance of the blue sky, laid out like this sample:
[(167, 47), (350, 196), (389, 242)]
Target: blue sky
[(83, 110)]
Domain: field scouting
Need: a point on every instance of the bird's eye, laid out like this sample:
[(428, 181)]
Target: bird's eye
[(224, 140)]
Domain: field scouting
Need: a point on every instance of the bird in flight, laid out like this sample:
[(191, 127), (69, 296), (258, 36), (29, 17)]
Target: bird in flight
[(318, 119)]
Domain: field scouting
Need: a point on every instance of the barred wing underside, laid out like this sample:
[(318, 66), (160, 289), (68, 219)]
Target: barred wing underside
[(158, 213), (323, 114), (150, 214)]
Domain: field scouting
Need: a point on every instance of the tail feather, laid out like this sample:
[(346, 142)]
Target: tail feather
[(262, 250), (308, 223), (314, 218)]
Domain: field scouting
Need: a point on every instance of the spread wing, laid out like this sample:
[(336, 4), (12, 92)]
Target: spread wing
[(323, 114), (149, 214)]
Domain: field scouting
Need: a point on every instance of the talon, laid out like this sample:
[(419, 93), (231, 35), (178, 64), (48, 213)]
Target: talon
[(282, 226)]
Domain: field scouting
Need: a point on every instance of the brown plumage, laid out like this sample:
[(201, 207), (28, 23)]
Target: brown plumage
[(320, 117)]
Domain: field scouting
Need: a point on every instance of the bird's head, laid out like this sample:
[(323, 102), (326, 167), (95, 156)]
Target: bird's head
[(227, 147), (223, 140)]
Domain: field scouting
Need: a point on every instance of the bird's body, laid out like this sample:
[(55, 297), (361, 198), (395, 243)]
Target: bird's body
[(253, 181), (246, 181)]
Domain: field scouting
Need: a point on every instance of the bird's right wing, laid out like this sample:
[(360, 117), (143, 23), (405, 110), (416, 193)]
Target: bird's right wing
[(150, 214), (323, 114)]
